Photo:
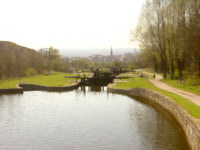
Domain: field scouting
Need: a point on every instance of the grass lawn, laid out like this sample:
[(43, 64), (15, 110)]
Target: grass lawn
[(179, 85), (54, 79), (192, 108)]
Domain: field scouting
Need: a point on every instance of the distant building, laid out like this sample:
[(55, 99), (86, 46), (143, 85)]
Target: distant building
[(111, 52), (106, 58)]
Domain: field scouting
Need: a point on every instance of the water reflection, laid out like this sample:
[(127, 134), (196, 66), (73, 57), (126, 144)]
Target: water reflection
[(87, 118), (93, 88), (86, 89), (153, 127)]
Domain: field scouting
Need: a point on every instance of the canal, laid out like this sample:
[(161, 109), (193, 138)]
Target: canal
[(85, 119)]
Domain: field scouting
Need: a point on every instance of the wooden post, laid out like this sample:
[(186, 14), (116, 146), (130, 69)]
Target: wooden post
[(84, 78)]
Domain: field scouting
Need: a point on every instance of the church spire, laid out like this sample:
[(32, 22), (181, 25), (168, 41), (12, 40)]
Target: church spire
[(111, 51)]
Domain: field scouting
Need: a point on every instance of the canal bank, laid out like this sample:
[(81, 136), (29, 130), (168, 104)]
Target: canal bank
[(18, 90), (35, 87), (189, 124), (49, 82)]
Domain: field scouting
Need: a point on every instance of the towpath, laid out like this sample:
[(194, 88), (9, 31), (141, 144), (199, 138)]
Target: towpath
[(190, 96)]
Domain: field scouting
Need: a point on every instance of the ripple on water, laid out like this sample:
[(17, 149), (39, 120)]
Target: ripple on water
[(78, 120)]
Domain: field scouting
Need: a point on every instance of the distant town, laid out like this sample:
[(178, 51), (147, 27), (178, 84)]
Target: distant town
[(109, 57)]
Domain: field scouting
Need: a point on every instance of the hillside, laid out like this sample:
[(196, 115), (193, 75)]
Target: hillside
[(16, 60)]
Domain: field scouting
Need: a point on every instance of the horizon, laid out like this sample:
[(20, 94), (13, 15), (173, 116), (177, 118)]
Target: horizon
[(85, 52), (100, 51)]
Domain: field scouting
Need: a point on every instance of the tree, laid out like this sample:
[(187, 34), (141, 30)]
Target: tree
[(168, 32)]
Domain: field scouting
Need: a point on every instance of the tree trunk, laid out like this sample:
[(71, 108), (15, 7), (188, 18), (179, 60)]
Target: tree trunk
[(165, 71), (172, 68), (180, 69), (0, 72), (171, 58), (199, 65), (164, 66), (155, 65)]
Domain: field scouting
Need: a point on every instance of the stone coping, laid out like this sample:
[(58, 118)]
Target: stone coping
[(189, 124), (34, 87), (11, 91)]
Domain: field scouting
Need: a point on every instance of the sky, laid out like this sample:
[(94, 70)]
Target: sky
[(69, 24)]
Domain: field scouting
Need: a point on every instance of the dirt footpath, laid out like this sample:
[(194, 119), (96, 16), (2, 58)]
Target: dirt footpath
[(190, 96)]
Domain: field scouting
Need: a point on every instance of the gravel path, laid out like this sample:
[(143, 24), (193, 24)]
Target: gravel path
[(190, 96)]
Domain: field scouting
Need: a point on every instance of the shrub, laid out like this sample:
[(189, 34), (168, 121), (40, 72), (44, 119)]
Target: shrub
[(30, 72), (193, 80)]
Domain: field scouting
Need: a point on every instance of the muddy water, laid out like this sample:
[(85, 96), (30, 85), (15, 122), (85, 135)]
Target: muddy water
[(84, 119)]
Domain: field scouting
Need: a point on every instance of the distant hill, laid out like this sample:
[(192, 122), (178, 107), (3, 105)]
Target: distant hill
[(15, 60)]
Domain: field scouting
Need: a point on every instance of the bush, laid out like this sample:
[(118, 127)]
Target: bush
[(193, 80), (30, 72)]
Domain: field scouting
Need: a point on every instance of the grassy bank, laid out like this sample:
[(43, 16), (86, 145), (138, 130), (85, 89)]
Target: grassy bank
[(192, 108), (181, 85), (54, 79)]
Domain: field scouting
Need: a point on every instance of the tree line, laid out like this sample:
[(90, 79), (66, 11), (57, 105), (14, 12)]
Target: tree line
[(168, 33), (53, 60), (18, 61)]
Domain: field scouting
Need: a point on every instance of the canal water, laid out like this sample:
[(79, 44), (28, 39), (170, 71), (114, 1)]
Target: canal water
[(84, 119)]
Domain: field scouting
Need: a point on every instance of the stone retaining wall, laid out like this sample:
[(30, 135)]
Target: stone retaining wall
[(189, 124), (35, 87), (11, 91)]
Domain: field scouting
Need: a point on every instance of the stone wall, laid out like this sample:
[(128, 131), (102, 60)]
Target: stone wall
[(189, 124), (11, 91), (35, 87)]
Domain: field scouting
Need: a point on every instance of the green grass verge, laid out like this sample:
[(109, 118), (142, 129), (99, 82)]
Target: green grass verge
[(54, 79), (182, 86), (135, 82)]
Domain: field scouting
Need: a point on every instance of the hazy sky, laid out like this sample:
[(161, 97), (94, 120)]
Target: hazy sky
[(69, 24)]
